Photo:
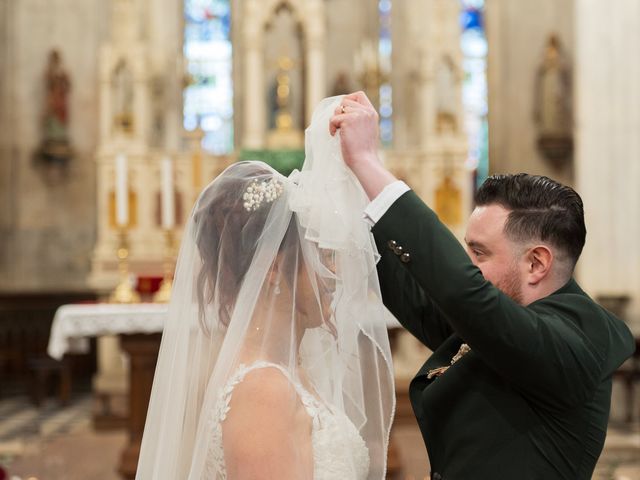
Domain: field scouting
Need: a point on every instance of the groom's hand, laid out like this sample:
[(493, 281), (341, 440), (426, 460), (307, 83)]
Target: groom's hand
[(357, 121)]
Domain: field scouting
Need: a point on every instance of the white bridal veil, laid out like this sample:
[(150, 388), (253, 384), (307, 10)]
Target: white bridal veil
[(281, 271)]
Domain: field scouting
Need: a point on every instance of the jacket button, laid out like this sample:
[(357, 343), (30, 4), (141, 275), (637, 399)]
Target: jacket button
[(405, 257), (392, 244), (398, 250)]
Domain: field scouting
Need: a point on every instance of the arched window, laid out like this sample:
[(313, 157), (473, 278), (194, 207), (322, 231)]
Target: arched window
[(384, 54), (208, 95), (474, 90)]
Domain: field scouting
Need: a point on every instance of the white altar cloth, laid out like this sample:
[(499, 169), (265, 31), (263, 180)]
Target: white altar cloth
[(74, 324)]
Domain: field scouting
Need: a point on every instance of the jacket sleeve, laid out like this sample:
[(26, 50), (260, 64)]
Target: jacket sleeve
[(407, 301), (537, 348)]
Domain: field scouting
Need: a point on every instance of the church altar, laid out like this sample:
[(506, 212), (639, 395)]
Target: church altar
[(73, 325), (139, 327)]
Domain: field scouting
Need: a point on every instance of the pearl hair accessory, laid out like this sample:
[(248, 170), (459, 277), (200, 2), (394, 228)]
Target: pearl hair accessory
[(259, 192)]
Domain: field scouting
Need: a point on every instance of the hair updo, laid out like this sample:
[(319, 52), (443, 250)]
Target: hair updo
[(227, 234)]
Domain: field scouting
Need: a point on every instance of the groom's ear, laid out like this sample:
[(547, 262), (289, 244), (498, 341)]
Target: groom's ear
[(539, 261)]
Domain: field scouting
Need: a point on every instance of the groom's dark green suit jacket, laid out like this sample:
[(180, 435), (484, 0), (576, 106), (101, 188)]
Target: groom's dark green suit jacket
[(531, 399)]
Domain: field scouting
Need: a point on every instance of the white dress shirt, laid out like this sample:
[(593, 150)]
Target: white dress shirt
[(379, 205)]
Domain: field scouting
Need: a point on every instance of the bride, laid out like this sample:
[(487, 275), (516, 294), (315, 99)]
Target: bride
[(275, 361)]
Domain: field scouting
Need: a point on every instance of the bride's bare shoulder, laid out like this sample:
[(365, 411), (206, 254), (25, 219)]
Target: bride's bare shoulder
[(263, 426), (268, 384), (263, 397)]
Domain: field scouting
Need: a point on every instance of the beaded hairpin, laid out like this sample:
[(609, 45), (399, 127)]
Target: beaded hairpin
[(261, 191)]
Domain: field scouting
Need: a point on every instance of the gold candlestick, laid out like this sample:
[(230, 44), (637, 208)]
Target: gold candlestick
[(124, 293), (163, 295)]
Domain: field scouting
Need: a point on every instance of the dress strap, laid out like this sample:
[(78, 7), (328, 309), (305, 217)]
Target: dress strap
[(311, 405)]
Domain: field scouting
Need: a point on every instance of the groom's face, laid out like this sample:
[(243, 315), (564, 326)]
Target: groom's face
[(497, 257)]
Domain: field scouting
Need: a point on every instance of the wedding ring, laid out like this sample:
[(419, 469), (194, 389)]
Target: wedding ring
[(342, 109)]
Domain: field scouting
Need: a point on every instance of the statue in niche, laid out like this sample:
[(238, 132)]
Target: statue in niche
[(446, 98), (122, 98), (448, 202), (158, 105), (282, 133), (553, 104), (55, 147)]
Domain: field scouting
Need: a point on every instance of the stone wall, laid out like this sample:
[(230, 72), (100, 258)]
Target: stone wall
[(517, 32), (47, 219)]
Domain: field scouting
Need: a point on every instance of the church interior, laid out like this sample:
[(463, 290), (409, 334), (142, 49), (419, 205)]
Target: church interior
[(115, 114)]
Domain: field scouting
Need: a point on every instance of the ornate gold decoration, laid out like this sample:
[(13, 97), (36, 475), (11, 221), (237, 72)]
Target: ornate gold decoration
[(163, 295), (133, 209), (436, 372), (124, 292), (448, 202)]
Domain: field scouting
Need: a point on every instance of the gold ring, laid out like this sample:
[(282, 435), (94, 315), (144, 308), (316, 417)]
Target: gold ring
[(342, 109)]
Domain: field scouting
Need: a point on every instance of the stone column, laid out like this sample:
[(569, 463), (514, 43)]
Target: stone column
[(254, 111), (8, 162), (143, 354), (254, 101), (608, 146), (109, 381), (316, 68)]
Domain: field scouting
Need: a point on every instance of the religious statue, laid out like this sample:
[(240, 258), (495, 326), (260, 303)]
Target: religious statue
[(553, 103), (446, 101), (55, 147), (122, 98), (283, 134)]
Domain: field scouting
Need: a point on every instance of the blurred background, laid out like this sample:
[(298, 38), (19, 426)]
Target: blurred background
[(114, 114)]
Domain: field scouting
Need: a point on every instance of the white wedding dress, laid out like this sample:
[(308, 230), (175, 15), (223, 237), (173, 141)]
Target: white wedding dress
[(282, 269), (339, 452)]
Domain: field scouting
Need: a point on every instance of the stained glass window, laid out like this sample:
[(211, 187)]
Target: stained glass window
[(474, 90), (384, 54), (208, 96)]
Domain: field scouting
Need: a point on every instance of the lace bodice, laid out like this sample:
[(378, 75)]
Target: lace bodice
[(339, 452)]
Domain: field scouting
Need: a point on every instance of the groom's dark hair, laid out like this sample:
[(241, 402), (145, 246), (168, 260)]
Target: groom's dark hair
[(541, 209)]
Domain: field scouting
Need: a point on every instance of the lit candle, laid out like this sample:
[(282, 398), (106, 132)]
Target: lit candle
[(168, 213), (122, 191)]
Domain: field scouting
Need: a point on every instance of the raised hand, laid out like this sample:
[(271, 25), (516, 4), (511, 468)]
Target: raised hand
[(357, 121)]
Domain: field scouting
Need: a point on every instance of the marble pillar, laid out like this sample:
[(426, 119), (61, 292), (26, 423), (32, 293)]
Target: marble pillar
[(608, 146)]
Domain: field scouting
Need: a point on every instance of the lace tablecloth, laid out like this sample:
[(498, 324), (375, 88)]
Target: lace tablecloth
[(73, 325)]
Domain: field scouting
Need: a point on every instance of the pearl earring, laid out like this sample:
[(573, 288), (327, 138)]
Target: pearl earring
[(277, 289)]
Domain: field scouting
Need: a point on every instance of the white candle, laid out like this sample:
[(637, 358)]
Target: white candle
[(168, 210), (122, 191)]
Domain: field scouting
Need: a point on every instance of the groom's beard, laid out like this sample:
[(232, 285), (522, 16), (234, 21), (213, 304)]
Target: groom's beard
[(511, 285)]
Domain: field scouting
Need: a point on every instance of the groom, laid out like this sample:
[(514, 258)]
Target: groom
[(519, 384)]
